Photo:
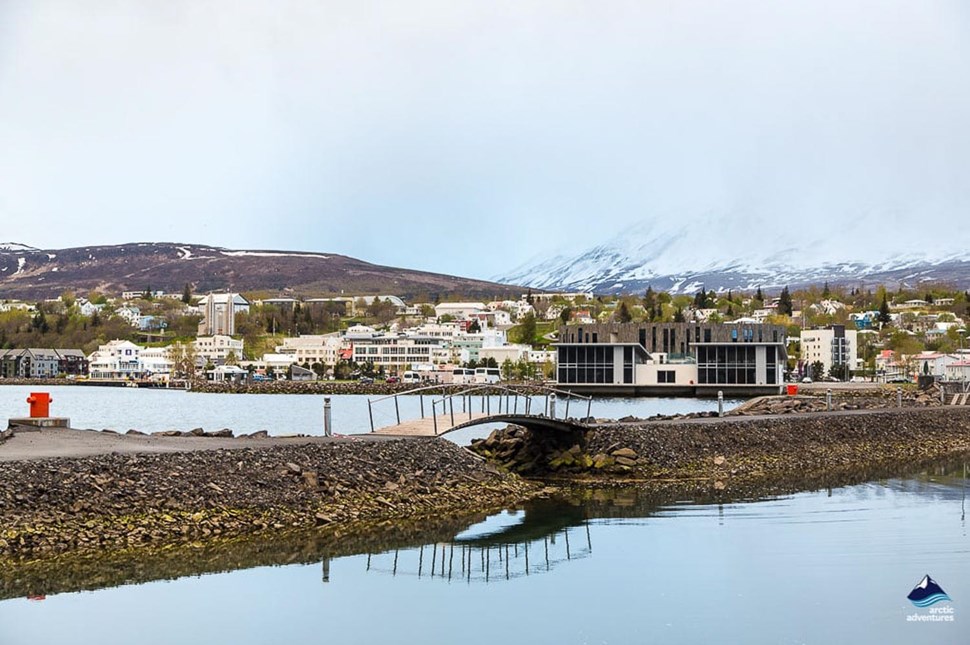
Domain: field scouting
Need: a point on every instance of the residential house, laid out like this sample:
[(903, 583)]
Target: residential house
[(116, 360)]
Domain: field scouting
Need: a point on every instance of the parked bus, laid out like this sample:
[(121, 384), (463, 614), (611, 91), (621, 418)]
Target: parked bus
[(462, 376), (487, 375), (411, 377)]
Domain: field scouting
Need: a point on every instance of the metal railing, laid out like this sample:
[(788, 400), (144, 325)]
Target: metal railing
[(507, 402)]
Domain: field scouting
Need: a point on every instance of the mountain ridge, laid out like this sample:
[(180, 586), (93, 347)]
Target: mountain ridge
[(682, 261), (30, 273)]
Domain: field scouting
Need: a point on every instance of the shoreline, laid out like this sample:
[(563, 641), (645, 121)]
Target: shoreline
[(198, 489)]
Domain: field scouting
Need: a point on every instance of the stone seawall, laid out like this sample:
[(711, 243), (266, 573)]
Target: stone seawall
[(117, 501), (735, 452)]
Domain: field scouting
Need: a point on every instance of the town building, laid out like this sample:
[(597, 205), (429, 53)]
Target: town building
[(459, 310), (672, 358), (398, 352), (116, 360), (832, 346), (219, 313), (308, 350), (218, 349)]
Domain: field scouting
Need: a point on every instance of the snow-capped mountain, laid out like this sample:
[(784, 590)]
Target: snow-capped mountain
[(684, 260)]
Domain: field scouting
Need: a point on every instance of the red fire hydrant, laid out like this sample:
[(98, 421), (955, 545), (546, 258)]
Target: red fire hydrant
[(40, 404)]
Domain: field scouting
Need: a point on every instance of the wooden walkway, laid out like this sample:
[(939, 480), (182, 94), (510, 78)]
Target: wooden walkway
[(425, 427)]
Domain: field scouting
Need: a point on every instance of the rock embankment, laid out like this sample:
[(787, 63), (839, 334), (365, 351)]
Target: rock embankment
[(719, 451), (118, 501)]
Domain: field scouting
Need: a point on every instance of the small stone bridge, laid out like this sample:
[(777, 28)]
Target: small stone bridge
[(428, 412)]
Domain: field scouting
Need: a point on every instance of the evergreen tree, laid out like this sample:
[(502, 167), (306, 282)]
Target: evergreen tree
[(758, 295), (649, 298), (883, 316), (785, 303), (187, 294), (623, 314), (679, 315), (826, 292)]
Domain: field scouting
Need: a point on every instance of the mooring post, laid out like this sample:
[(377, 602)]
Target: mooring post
[(942, 396), (327, 428), (899, 397), (552, 406), (720, 403), (828, 399), (370, 413)]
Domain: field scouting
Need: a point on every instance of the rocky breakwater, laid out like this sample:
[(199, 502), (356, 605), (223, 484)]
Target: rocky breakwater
[(118, 501), (736, 451), (841, 400)]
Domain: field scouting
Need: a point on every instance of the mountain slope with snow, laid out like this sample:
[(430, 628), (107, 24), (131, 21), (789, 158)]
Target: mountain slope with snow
[(682, 261), (30, 273)]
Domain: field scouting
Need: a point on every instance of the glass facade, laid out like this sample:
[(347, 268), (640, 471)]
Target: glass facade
[(726, 364), (593, 364)]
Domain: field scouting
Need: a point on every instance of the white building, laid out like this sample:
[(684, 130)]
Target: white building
[(117, 359), (155, 363), (933, 363), (459, 310), (219, 313), (835, 345), (398, 352), (324, 349), (216, 349)]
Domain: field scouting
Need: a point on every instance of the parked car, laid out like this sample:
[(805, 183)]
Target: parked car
[(392, 379), (366, 380), (807, 379)]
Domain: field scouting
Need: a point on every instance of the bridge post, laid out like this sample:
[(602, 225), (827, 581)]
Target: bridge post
[(434, 417), (451, 404), (327, 430), (566, 416), (552, 405), (589, 406), (397, 410), (370, 413), (421, 398)]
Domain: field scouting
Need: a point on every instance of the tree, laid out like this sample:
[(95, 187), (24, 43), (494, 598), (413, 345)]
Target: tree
[(565, 315), (884, 318), (187, 294), (818, 371), (759, 295), (623, 314), (785, 303), (826, 292), (679, 315), (527, 329), (232, 359)]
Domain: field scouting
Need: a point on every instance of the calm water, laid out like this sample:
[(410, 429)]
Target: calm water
[(152, 410), (833, 566)]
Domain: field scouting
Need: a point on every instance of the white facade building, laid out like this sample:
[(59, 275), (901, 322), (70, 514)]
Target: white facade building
[(117, 359), (833, 346), (324, 349), (459, 310), (216, 349)]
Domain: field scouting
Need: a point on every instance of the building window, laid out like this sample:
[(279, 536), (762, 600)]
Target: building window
[(666, 376)]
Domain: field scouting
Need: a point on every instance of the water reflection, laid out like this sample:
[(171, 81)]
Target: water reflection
[(536, 539)]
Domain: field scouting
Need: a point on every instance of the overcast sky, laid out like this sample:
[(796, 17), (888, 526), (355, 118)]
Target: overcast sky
[(467, 137)]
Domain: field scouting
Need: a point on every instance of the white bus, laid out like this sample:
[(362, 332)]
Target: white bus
[(487, 375), (410, 377), (462, 376)]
